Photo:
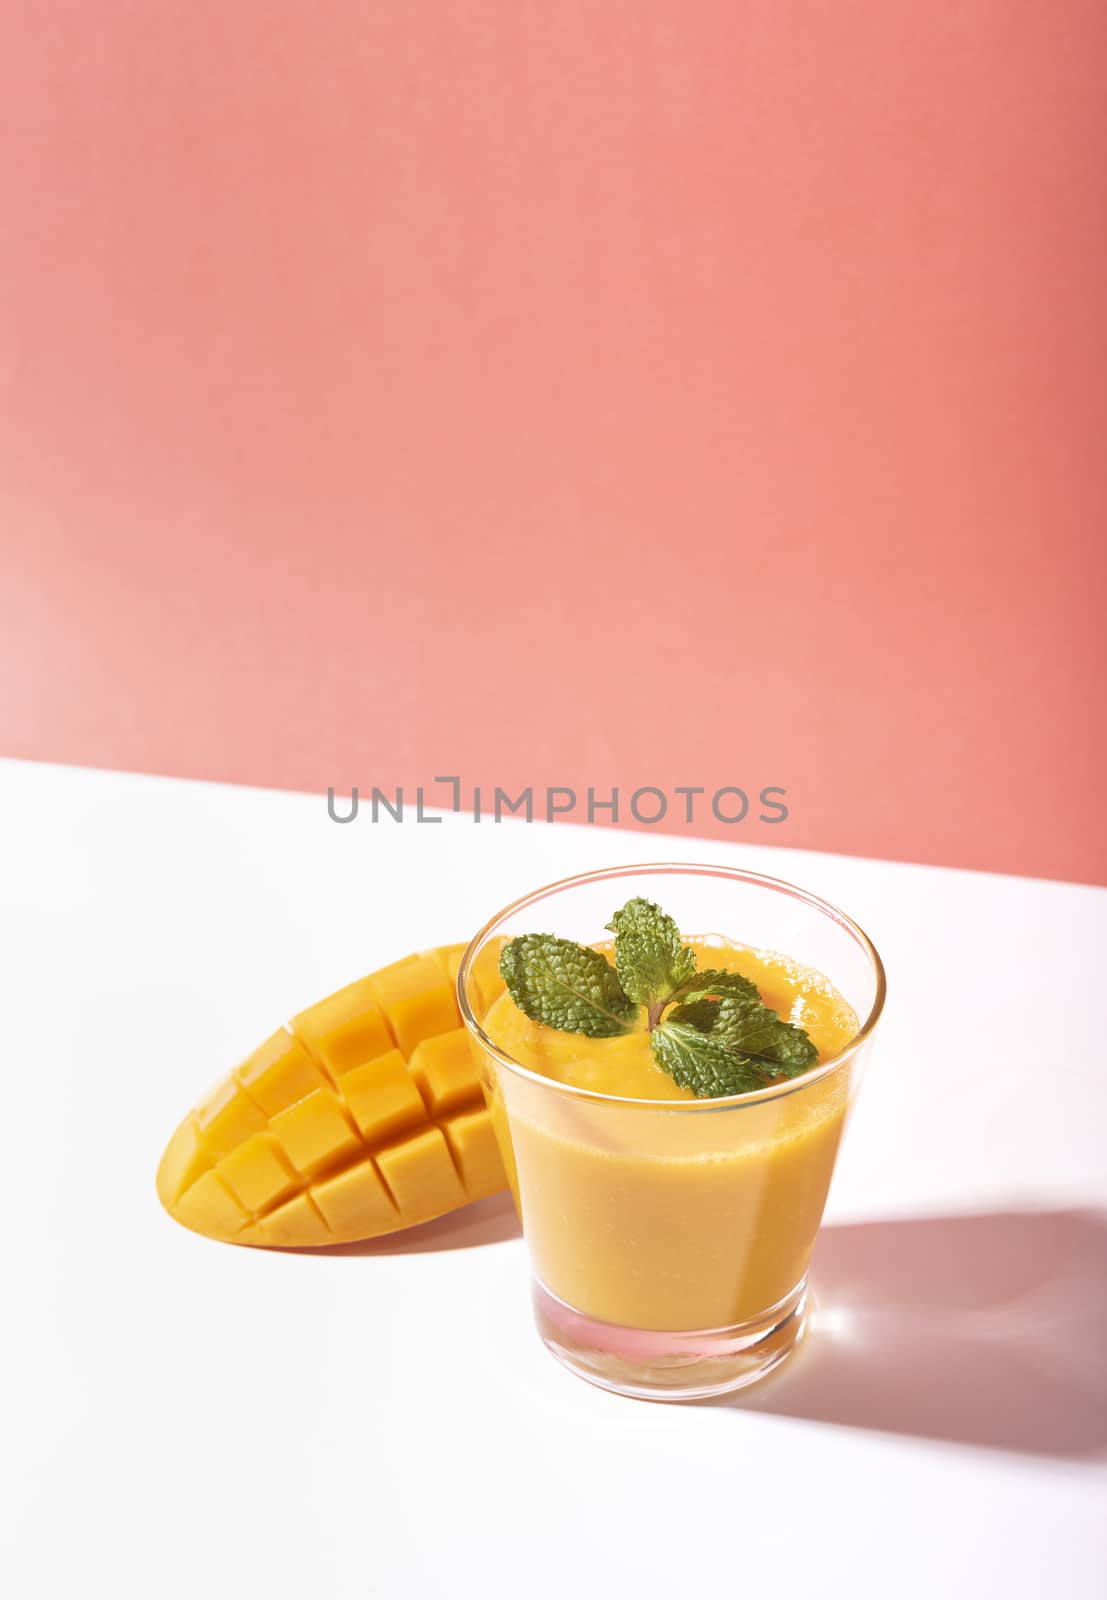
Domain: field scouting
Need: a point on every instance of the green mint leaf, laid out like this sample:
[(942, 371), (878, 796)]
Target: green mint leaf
[(715, 983), (700, 1062), (566, 986), (730, 1045), (755, 1030), (649, 958)]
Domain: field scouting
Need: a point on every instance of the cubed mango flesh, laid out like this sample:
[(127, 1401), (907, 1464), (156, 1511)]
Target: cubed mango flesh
[(365, 1114), (418, 998)]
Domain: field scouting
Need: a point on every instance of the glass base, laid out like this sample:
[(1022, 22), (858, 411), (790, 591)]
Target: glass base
[(670, 1366)]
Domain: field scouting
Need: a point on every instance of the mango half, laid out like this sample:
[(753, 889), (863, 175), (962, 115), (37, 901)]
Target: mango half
[(362, 1115)]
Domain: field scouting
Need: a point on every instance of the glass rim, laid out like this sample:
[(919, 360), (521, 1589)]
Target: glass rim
[(773, 1091)]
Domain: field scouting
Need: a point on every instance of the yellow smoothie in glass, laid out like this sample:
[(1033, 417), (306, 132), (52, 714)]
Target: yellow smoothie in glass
[(670, 1218)]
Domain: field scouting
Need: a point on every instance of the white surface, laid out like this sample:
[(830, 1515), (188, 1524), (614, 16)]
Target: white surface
[(190, 1419)]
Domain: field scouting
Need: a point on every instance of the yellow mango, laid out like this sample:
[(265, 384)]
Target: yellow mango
[(364, 1114)]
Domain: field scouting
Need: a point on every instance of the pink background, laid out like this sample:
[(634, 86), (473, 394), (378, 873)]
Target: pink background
[(582, 393)]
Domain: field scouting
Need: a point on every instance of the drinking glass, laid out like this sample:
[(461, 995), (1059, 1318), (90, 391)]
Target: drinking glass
[(669, 1239)]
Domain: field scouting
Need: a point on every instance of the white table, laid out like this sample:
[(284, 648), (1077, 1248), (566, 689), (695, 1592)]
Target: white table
[(189, 1419)]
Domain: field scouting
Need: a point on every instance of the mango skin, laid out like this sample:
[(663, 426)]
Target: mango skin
[(362, 1115)]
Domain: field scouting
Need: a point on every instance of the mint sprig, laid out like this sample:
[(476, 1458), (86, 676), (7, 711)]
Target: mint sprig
[(718, 1038)]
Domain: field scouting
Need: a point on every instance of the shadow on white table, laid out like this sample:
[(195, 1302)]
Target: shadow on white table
[(989, 1330)]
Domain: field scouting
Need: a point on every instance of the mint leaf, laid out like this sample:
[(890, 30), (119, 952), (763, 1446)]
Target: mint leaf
[(756, 1032), (701, 1062), (714, 982), (649, 958), (566, 986), (729, 1046)]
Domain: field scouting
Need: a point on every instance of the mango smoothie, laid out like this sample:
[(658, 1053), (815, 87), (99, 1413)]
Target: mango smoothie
[(675, 1213)]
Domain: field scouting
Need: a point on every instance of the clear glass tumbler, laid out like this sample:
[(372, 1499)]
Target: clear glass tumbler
[(670, 1240)]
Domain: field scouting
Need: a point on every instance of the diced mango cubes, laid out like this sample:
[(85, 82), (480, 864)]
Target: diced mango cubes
[(418, 998), (278, 1073), (364, 1115), (209, 1207), (355, 1199), (474, 1149), (446, 1071), (345, 1029), (383, 1096), (298, 1222), (228, 1117), (258, 1173), (420, 1173)]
